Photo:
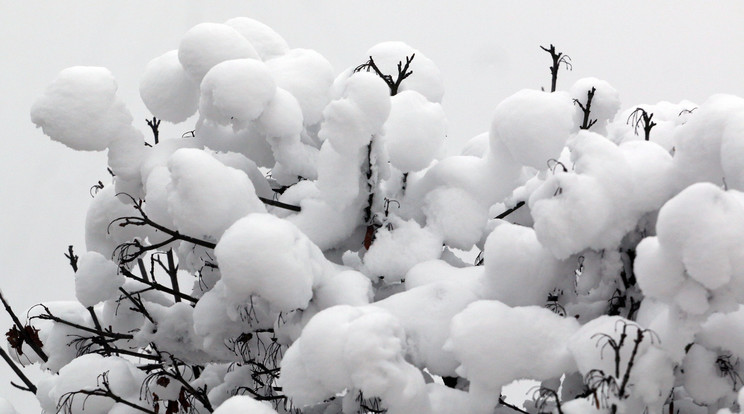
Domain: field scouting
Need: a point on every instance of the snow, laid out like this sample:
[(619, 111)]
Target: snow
[(81, 110), (167, 90), (497, 344), (361, 348), (283, 262), (425, 313), (125, 155), (603, 197), (241, 162), (208, 44), (396, 251), (414, 131), (236, 91), (388, 317), (100, 235), (282, 117), (97, 279), (456, 215), (723, 331), (205, 196), (698, 143), (514, 259), (87, 372), (242, 404), (695, 260), (268, 43), (702, 379), (308, 76), (248, 141), (533, 125)]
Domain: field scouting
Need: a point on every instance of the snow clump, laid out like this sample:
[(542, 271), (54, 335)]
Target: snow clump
[(205, 197), (81, 110), (696, 260), (96, 279)]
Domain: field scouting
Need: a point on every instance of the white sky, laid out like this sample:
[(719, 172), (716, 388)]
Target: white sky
[(648, 50)]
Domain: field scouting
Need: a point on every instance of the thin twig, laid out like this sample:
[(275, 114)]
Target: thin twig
[(29, 385)]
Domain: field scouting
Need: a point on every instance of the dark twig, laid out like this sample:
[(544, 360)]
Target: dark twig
[(103, 390), (503, 402), (72, 257), (586, 109), (557, 58), (154, 125), (394, 84), (139, 306), (173, 274), (640, 117), (144, 220), (509, 211), (280, 204), (30, 387), (49, 316), (156, 286)]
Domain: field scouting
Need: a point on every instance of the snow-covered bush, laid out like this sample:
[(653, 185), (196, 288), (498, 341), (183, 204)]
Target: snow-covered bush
[(304, 248)]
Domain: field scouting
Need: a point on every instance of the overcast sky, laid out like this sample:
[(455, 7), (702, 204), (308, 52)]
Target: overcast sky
[(487, 50)]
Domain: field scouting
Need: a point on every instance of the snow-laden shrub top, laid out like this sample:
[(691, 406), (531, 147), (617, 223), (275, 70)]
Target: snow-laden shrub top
[(307, 247)]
